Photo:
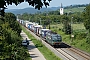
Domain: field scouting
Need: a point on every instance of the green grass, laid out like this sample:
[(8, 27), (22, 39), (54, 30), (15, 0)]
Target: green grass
[(42, 48), (78, 26), (80, 9), (75, 26), (81, 44)]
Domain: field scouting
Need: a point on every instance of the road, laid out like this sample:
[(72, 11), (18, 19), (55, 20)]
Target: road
[(35, 54)]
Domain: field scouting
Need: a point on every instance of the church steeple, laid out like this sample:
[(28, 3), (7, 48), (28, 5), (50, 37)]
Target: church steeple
[(61, 5), (61, 9)]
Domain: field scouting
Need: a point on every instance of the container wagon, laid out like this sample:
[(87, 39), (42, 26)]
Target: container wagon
[(29, 25), (36, 29), (43, 33), (25, 23)]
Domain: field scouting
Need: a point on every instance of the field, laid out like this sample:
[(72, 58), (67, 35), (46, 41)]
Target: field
[(79, 9), (79, 43), (74, 26)]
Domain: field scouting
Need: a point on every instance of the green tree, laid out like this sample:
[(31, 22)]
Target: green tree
[(10, 40), (86, 16), (66, 25), (35, 3), (11, 19)]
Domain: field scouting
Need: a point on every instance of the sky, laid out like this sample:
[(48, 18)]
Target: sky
[(53, 3)]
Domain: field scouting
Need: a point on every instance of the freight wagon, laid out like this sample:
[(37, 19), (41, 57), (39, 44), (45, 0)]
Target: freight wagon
[(43, 33), (37, 28), (30, 25), (26, 23)]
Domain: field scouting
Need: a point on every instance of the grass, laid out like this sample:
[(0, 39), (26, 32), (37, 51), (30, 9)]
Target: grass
[(78, 26), (75, 26), (42, 48), (80, 9), (81, 44)]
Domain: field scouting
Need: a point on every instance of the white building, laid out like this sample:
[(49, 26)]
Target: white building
[(61, 10)]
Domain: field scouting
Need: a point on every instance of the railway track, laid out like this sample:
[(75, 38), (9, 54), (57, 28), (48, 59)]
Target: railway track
[(77, 51), (66, 54)]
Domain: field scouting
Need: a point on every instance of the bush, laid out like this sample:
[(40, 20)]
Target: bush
[(80, 34), (67, 29), (88, 39), (10, 40)]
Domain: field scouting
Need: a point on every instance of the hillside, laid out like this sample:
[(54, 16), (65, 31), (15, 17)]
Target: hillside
[(31, 10), (67, 9)]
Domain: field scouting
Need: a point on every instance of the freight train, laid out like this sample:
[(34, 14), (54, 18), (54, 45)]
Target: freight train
[(49, 36)]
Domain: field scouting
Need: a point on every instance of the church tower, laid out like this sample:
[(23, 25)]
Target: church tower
[(61, 10)]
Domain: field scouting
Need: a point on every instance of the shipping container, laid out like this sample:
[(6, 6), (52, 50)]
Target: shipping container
[(36, 29), (43, 32), (29, 25)]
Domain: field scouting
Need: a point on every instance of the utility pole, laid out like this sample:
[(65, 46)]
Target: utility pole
[(40, 21), (49, 24), (72, 36), (29, 19)]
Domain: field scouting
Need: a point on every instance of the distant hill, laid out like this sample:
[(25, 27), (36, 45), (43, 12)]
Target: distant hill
[(67, 9), (31, 10)]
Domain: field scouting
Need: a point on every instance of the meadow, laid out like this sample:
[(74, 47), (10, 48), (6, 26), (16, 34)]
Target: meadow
[(79, 9)]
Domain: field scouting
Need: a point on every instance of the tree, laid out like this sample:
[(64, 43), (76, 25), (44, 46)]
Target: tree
[(66, 25), (11, 19), (35, 3), (86, 15), (10, 40)]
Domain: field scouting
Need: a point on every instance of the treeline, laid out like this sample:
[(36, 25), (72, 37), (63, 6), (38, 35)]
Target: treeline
[(52, 17), (10, 39), (76, 6)]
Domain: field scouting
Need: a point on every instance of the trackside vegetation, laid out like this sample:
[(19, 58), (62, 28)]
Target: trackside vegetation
[(42, 48), (10, 39)]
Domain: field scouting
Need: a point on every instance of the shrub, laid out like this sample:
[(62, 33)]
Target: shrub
[(80, 34)]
